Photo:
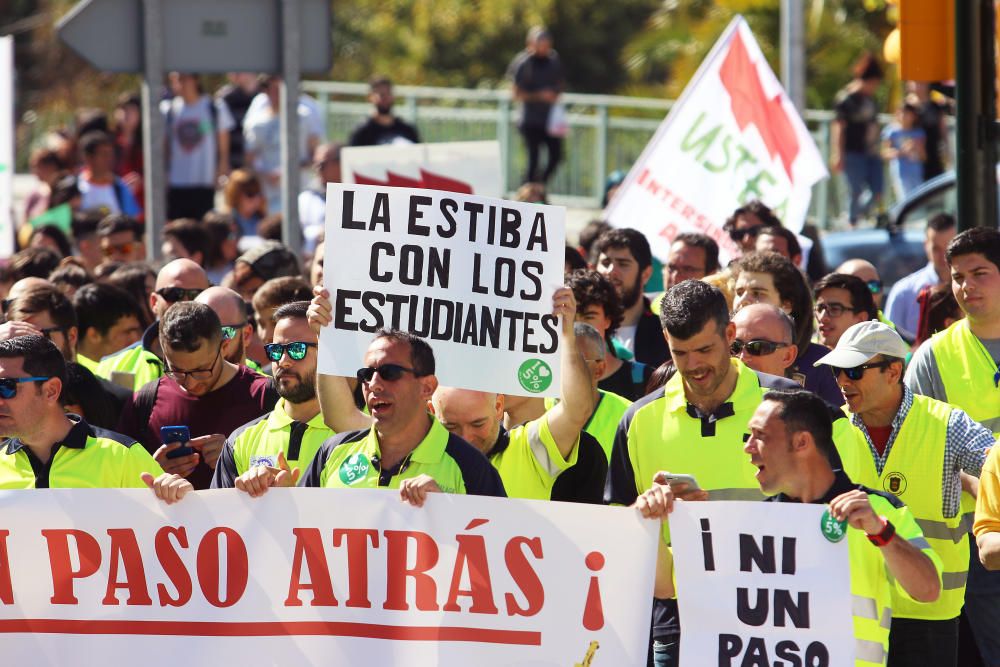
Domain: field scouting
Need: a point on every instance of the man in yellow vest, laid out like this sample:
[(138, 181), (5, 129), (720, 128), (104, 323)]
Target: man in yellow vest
[(694, 425), (916, 449), (791, 447), (961, 365)]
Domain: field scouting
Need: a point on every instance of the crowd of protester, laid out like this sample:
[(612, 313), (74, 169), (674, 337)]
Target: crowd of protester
[(718, 372)]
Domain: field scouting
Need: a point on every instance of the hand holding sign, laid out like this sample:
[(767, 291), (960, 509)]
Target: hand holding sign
[(168, 488), (257, 481), (319, 313), (414, 491)]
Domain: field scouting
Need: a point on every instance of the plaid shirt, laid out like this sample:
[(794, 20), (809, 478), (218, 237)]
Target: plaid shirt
[(965, 447)]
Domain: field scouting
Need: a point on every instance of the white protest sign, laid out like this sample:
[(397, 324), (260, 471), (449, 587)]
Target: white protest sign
[(758, 583), (319, 577), (732, 137), (6, 146), (467, 167), (472, 275)]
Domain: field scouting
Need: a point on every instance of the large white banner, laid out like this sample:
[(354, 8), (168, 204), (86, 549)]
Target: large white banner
[(759, 583), (732, 137), (473, 275), (468, 167), (6, 146), (320, 577)]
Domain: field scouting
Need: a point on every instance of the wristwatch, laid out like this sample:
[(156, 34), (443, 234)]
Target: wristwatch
[(884, 536)]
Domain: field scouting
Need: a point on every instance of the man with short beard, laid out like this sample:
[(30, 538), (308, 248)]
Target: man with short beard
[(294, 430), (623, 256)]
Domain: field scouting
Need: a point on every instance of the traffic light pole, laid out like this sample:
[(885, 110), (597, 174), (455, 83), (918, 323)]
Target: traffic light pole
[(975, 114)]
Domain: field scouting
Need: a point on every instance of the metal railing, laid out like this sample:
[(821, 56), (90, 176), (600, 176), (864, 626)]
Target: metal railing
[(606, 133)]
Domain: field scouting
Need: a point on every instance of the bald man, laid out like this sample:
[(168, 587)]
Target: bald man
[(764, 339), (236, 328), (179, 280), (867, 272)]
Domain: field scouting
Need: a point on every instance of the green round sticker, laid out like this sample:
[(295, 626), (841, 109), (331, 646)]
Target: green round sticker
[(354, 468), (534, 375), (832, 529)]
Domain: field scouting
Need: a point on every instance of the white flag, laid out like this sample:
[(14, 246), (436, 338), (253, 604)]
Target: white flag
[(733, 136)]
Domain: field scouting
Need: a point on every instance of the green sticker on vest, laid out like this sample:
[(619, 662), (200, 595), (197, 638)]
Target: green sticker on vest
[(832, 530), (534, 375), (354, 468)]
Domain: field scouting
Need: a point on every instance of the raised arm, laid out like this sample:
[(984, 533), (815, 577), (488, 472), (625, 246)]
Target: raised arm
[(568, 417), (335, 399)]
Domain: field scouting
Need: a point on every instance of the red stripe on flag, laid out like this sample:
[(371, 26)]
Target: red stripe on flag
[(272, 629)]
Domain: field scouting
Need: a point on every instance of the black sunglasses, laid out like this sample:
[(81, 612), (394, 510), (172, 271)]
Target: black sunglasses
[(756, 348), (297, 350), (857, 372), (175, 294), (739, 234), (388, 372)]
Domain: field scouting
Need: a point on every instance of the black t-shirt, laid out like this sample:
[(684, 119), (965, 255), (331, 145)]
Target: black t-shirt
[(373, 133), (629, 381), (533, 74), (859, 113), (930, 120)]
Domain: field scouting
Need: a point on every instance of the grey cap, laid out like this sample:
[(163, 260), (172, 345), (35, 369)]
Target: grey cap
[(271, 259), (863, 341)]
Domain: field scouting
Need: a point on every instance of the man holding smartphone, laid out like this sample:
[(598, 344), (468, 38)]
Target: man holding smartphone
[(200, 390)]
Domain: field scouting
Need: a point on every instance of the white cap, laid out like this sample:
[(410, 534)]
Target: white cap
[(863, 341)]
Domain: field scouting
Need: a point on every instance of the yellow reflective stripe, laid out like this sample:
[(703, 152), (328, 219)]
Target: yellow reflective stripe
[(939, 530), (952, 580), (539, 449), (869, 651), (735, 494), (864, 607)]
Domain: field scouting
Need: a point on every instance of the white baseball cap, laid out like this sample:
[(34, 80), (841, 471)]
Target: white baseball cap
[(863, 341)]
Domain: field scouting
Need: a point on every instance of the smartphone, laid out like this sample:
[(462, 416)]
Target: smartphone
[(181, 434), (692, 483)]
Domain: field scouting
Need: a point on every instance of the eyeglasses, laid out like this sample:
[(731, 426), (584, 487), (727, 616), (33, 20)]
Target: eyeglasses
[(175, 294), (388, 372), (739, 234), (756, 348), (197, 374), (229, 331), (835, 309), (296, 351), (8, 386), (874, 286), (119, 248), (857, 372)]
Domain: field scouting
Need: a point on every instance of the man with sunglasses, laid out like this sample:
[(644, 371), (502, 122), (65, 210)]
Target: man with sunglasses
[(140, 363), (909, 440), (44, 446), (764, 335), (294, 430), (399, 445), (200, 390), (236, 327), (121, 239)]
